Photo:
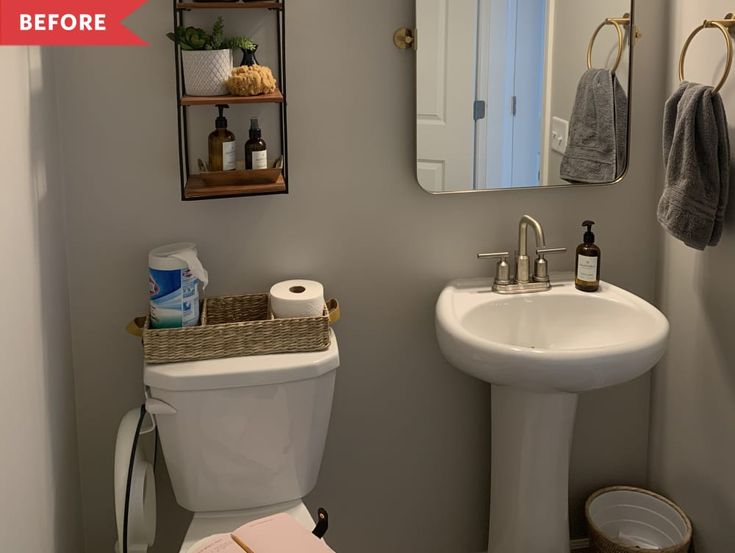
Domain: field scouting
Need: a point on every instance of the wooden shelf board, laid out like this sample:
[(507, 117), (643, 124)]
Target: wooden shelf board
[(229, 5), (274, 98), (234, 183)]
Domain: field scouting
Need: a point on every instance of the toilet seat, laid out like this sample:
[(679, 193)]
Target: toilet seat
[(204, 525), (139, 476)]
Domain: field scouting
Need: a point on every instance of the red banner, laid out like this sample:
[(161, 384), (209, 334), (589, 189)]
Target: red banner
[(68, 22)]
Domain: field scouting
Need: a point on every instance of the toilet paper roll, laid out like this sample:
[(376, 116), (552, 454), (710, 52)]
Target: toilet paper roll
[(297, 298)]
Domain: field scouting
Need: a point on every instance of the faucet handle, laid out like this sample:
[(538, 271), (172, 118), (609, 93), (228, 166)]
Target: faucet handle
[(544, 251), (501, 255), (541, 267), (502, 273)]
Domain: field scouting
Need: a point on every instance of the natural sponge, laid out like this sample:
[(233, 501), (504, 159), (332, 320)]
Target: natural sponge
[(251, 80)]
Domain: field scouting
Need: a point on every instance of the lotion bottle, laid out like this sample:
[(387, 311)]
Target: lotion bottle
[(222, 150), (587, 273), (256, 151)]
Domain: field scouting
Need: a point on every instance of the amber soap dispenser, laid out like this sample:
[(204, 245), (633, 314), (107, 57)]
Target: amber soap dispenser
[(588, 262), (221, 144)]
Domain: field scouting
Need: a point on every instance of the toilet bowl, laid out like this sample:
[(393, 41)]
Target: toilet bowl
[(243, 437)]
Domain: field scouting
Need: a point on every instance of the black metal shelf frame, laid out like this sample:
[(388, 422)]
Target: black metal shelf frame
[(182, 111)]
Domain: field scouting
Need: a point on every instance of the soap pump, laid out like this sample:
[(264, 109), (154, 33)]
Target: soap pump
[(587, 273), (222, 150)]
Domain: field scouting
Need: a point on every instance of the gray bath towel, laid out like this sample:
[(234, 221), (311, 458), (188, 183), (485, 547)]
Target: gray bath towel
[(598, 130), (697, 161)]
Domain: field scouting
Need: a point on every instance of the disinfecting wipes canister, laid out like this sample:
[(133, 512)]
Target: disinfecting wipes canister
[(174, 272)]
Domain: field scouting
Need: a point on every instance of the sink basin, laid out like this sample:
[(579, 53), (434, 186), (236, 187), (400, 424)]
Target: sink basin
[(560, 340), (539, 351)]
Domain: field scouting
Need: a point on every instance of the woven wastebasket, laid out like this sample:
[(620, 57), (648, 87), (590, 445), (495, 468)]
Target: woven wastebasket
[(624, 519)]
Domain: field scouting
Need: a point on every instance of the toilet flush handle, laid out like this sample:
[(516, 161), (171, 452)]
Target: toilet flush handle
[(158, 407), (322, 524)]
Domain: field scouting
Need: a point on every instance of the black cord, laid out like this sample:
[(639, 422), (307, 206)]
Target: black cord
[(130, 479), (155, 450)]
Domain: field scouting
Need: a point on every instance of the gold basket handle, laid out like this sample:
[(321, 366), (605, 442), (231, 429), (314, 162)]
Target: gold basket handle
[(334, 311), (135, 327)]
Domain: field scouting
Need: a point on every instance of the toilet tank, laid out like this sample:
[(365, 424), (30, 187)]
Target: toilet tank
[(243, 432)]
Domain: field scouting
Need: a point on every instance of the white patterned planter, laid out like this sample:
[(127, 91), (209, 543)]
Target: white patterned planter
[(206, 71)]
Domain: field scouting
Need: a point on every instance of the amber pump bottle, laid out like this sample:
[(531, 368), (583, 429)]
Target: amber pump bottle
[(588, 262), (222, 150), (256, 151)]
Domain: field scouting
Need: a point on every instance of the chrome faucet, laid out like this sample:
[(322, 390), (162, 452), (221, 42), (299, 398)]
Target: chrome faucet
[(523, 282)]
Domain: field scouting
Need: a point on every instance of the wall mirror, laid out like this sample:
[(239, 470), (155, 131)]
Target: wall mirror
[(522, 93)]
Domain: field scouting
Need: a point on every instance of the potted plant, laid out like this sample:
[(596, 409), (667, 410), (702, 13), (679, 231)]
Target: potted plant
[(248, 48), (205, 58)]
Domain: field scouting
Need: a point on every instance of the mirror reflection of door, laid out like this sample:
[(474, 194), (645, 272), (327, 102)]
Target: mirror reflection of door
[(445, 78), (510, 81), (505, 99)]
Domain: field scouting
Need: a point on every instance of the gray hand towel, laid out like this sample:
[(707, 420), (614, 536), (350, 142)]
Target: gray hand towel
[(697, 161), (598, 130)]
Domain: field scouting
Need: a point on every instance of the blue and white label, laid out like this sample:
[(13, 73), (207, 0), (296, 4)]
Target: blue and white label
[(174, 298)]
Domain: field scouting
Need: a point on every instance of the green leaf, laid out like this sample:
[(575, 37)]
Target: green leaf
[(217, 37), (241, 42), (194, 38)]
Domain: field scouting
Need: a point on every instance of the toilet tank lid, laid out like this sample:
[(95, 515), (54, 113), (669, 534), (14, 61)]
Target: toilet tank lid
[(235, 372)]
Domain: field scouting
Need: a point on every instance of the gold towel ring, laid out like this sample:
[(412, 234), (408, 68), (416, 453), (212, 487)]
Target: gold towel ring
[(618, 23), (722, 26)]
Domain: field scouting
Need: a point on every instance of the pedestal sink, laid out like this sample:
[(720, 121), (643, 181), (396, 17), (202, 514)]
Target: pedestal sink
[(539, 351)]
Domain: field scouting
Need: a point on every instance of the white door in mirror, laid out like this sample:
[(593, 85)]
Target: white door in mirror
[(445, 74)]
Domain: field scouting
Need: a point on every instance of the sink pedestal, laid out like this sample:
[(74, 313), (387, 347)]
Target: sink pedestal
[(560, 343), (529, 494)]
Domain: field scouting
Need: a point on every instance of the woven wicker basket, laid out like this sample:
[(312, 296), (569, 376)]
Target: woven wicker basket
[(236, 326), (602, 543)]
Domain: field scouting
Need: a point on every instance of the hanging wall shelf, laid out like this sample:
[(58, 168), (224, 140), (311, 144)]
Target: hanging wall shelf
[(229, 184), (228, 5), (273, 98)]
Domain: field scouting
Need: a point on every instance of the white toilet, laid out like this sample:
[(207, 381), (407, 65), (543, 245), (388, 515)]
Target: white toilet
[(243, 437)]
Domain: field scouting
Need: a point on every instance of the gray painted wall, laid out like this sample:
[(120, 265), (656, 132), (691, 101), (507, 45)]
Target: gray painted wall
[(692, 444), (407, 460)]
